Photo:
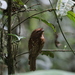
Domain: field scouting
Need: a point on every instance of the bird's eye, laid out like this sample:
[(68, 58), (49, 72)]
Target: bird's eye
[(38, 31)]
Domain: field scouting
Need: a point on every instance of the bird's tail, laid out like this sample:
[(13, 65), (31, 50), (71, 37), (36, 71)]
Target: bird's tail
[(32, 63)]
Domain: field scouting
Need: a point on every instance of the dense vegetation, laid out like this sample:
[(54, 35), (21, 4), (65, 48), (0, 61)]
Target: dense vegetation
[(20, 18)]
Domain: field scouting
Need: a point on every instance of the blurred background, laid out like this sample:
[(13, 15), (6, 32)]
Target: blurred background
[(61, 60)]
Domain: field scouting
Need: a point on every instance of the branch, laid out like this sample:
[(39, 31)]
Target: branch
[(33, 5), (28, 9), (51, 50), (32, 16), (61, 29), (23, 11), (22, 54), (57, 50), (26, 1)]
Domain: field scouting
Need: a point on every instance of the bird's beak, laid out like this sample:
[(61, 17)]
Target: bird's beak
[(42, 30)]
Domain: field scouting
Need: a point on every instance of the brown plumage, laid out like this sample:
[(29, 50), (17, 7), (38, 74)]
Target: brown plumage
[(35, 46)]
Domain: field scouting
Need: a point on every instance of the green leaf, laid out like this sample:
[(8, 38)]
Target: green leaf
[(71, 15), (19, 2), (48, 53), (47, 23), (18, 37)]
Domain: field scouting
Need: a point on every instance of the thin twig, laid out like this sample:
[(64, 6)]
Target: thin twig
[(24, 11), (33, 5), (22, 54), (32, 16), (51, 50), (28, 9), (26, 1), (57, 50), (61, 29)]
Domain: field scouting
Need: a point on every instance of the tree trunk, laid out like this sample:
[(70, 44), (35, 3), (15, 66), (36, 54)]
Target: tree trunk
[(10, 59)]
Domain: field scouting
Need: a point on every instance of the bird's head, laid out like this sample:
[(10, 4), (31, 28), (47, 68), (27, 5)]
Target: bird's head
[(37, 32)]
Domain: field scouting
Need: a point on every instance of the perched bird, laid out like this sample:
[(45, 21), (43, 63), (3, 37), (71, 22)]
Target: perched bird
[(35, 46)]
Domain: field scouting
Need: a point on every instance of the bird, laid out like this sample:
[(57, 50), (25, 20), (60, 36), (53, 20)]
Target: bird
[(35, 45)]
